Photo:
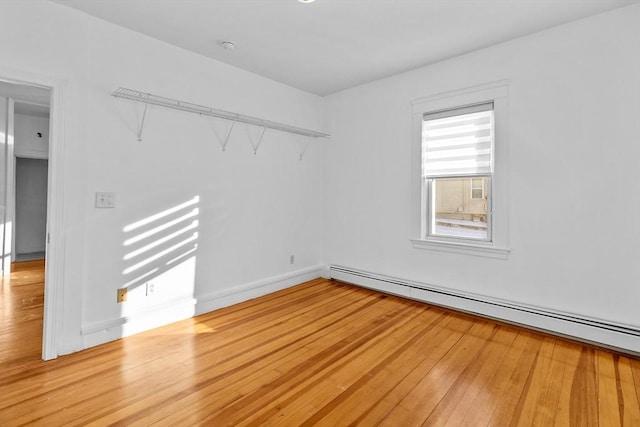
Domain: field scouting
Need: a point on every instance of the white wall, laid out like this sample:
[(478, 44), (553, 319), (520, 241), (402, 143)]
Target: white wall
[(254, 210), (31, 205), (27, 142), (574, 180)]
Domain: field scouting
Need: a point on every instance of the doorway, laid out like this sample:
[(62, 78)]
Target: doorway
[(31, 152), (30, 229), (24, 188)]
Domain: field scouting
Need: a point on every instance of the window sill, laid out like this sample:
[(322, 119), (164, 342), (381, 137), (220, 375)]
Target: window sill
[(461, 248)]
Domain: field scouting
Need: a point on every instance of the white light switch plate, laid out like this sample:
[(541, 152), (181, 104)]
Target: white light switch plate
[(105, 200)]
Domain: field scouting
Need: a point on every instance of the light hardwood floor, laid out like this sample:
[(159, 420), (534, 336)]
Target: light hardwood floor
[(21, 308), (321, 353)]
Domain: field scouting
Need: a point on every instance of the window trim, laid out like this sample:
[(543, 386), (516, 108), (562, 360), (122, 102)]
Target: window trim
[(496, 92)]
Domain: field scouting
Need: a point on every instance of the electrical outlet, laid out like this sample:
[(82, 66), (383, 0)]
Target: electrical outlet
[(105, 200), (151, 288), (122, 295), (292, 259)]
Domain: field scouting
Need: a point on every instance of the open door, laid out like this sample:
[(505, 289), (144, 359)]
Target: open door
[(6, 183)]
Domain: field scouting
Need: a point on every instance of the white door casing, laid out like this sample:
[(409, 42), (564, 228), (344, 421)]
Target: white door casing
[(54, 270)]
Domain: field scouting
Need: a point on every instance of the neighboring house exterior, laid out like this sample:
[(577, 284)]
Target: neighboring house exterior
[(462, 199)]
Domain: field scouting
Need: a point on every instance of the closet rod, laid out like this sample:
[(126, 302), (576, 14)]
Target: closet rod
[(148, 98)]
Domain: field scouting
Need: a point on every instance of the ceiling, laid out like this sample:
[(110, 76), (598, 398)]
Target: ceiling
[(330, 45)]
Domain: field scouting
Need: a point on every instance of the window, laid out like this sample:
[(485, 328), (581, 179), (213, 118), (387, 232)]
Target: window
[(459, 201), (477, 188), (457, 153)]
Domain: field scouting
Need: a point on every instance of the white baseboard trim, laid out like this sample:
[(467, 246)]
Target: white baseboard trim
[(326, 272), (97, 333), (601, 332), (227, 297)]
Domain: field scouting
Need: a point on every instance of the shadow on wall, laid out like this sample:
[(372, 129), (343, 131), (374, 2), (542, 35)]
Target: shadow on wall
[(160, 259)]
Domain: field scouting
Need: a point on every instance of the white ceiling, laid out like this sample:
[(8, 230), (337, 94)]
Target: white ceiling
[(330, 45)]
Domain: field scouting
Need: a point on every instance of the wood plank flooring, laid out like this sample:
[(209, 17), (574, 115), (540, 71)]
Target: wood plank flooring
[(320, 353), (21, 308)]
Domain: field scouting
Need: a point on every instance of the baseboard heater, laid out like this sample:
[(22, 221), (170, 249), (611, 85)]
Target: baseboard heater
[(600, 332)]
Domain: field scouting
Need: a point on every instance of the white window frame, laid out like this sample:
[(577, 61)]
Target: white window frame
[(497, 244)]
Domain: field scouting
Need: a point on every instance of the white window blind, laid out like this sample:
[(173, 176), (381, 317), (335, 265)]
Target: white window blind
[(458, 142)]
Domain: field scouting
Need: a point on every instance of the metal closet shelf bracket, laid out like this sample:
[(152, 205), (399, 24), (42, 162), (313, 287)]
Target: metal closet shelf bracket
[(151, 99)]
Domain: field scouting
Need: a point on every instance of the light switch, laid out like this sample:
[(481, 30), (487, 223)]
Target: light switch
[(105, 200)]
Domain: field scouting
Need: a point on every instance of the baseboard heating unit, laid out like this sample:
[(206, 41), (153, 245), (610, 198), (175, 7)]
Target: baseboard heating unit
[(601, 332)]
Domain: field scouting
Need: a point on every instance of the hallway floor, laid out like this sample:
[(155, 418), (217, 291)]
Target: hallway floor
[(21, 311)]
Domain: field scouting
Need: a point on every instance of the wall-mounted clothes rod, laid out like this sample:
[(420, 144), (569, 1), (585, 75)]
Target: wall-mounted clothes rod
[(150, 99)]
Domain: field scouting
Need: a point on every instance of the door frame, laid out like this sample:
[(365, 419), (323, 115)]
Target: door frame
[(54, 269)]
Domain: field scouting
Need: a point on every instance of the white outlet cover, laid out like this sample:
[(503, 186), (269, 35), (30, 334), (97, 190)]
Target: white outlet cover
[(105, 200)]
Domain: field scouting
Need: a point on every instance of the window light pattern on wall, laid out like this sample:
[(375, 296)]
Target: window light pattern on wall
[(458, 142)]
